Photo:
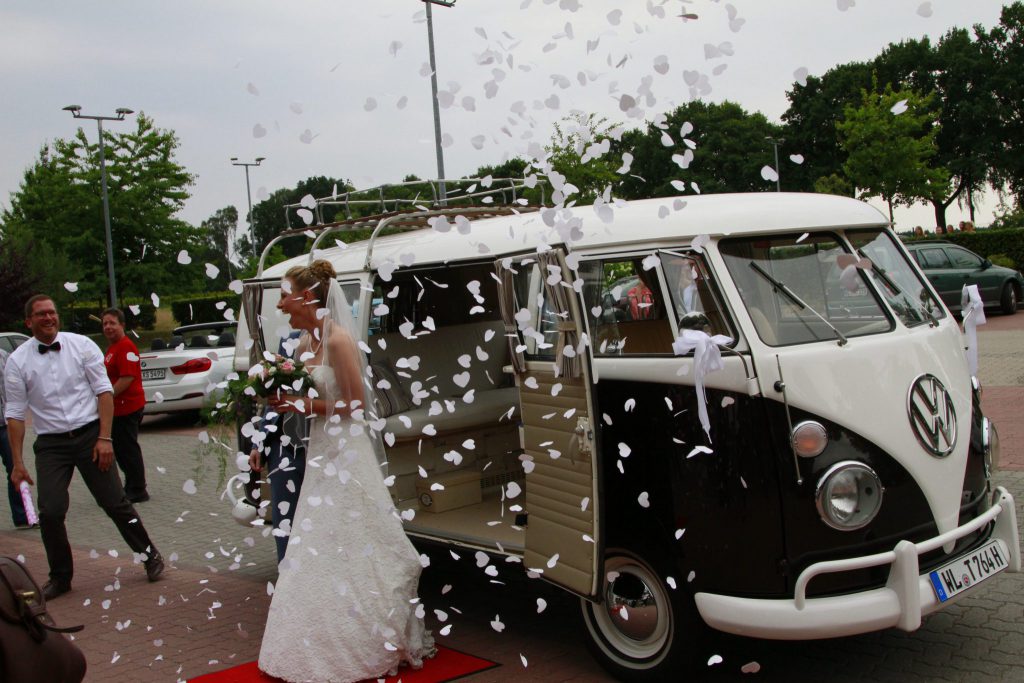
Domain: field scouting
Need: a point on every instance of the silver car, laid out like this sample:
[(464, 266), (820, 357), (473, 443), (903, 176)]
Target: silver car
[(11, 340), (181, 373)]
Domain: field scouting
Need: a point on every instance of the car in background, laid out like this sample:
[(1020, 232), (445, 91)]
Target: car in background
[(11, 340), (949, 267), (180, 373)]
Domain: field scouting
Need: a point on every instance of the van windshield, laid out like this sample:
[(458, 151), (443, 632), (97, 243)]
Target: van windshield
[(803, 288), (900, 285)]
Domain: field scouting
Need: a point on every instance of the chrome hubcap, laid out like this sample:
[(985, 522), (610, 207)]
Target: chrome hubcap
[(632, 606)]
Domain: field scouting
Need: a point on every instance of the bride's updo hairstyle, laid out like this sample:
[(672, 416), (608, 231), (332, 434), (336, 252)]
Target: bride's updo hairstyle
[(316, 276)]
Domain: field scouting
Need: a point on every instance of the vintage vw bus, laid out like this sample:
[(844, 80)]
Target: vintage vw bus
[(531, 405)]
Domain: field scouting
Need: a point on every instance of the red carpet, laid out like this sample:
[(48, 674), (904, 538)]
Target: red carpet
[(446, 666)]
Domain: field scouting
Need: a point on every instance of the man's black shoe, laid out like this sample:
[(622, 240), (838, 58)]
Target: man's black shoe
[(154, 567), (53, 590), (138, 498)]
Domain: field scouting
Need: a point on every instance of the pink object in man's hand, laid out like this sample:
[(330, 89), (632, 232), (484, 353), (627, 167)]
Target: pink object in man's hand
[(26, 499)]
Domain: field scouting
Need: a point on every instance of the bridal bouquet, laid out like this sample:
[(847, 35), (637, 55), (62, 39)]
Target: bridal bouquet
[(267, 378)]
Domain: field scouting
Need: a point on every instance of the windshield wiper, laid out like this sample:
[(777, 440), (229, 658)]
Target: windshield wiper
[(881, 274), (795, 300), (926, 299)]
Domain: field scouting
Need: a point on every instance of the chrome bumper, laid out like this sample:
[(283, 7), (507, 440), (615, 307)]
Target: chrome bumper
[(906, 597)]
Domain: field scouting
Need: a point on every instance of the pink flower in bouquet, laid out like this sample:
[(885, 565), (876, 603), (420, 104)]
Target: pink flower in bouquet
[(288, 365)]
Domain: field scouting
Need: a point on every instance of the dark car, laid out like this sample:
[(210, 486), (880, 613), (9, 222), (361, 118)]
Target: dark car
[(950, 267)]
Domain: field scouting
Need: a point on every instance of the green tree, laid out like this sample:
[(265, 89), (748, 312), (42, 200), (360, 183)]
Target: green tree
[(219, 233), (888, 152), (810, 121), (21, 276), (958, 71), (730, 150), (1004, 46), (580, 150), (834, 184), (59, 206), (269, 217)]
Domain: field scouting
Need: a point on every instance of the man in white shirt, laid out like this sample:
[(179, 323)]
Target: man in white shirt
[(60, 378)]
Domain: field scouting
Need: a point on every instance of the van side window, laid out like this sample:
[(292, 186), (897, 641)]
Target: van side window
[(626, 307), (689, 288), (538, 325)]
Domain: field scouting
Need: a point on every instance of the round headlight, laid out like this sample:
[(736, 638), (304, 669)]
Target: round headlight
[(849, 495), (809, 439)]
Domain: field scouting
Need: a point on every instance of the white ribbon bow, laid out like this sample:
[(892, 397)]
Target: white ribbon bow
[(706, 358), (973, 311)]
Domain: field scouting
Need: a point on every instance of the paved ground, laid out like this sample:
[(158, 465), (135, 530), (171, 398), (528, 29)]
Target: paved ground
[(209, 610)]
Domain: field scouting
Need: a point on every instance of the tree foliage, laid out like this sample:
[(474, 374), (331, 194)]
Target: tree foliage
[(58, 206), (1004, 48), (889, 151), (269, 217), (729, 149), (580, 152)]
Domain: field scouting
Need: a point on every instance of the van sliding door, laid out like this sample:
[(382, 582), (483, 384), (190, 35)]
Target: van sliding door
[(545, 328)]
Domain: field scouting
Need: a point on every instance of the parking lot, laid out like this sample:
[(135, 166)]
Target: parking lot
[(208, 612)]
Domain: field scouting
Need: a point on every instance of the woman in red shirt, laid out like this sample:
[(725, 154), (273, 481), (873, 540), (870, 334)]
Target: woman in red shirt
[(125, 373)]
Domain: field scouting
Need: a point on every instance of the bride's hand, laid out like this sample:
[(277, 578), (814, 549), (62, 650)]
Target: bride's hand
[(286, 403)]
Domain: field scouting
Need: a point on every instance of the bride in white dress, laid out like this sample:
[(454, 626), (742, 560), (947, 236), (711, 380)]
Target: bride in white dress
[(345, 606)]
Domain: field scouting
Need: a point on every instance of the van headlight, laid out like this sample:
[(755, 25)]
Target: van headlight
[(849, 495)]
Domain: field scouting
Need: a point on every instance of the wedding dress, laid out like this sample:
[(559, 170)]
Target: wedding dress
[(345, 606)]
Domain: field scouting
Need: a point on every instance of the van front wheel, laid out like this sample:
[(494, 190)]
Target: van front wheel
[(640, 631)]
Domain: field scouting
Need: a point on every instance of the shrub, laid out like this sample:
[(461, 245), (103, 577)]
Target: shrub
[(202, 308), (84, 317), (1002, 260)]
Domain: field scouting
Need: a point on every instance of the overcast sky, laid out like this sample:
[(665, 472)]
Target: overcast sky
[(340, 88)]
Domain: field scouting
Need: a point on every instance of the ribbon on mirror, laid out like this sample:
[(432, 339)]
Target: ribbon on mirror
[(973, 311), (706, 358)]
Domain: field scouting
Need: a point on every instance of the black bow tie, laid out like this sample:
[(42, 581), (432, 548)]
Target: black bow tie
[(44, 348)]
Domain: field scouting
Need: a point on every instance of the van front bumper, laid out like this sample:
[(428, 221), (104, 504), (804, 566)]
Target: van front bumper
[(902, 602)]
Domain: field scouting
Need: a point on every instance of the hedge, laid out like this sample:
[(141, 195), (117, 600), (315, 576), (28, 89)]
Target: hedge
[(202, 308), (77, 316), (987, 243)]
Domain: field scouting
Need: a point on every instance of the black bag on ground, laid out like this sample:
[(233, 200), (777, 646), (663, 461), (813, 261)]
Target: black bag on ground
[(30, 651)]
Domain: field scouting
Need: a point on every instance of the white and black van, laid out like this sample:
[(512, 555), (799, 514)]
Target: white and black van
[(532, 406)]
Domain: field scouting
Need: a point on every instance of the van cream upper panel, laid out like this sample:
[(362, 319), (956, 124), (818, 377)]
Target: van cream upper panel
[(635, 222)]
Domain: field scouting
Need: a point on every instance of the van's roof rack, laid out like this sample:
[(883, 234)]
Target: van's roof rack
[(444, 192), (415, 216)]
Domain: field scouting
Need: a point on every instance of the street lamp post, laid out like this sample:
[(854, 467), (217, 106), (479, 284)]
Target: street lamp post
[(120, 113), (433, 91), (778, 171), (248, 193)]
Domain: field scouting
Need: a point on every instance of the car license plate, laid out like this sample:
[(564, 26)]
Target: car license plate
[(962, 573), (154, 374)]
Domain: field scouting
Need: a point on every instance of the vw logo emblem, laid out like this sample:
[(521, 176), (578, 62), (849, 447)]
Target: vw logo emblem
[(932, 417)]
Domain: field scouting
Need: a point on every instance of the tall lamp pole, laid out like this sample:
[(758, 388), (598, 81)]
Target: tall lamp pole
[(775, 142), (433, 91), (248, 193), (120, 113)]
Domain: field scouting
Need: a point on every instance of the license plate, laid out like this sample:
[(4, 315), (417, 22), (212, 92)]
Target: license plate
[(962, 573), (154, 374)]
